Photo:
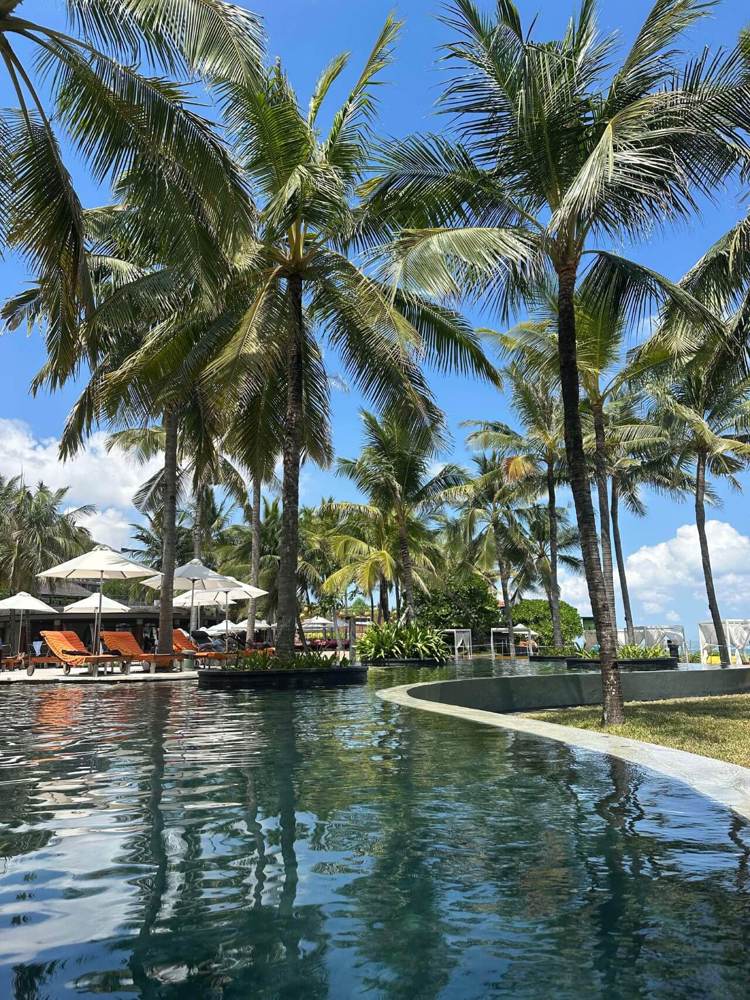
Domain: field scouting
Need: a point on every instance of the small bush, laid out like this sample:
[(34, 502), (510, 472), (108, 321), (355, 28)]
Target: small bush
[(263, 660), (402, 642), (631, 652)]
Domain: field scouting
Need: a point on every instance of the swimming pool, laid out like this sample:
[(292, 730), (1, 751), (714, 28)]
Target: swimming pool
[(160, 841)]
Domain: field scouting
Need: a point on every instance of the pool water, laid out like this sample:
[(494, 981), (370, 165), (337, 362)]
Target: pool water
[(160, 841)]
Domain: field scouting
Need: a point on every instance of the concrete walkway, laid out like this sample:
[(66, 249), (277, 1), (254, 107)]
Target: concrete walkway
[(54, 675), (728, 784)]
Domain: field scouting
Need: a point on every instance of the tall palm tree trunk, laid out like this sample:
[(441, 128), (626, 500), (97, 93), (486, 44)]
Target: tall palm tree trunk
[(554, 590), (169, 529), (507, 600), (614, 512), (254, 556), (407, 572), (602, 492), (197, 547), (291, 455), (385, 612), (700, 521), (612, 701)]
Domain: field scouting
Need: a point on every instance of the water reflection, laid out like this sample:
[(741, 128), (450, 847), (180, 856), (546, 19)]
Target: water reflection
[(165, 842)]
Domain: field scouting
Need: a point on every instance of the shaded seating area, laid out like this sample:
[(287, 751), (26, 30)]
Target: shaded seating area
[(182, 643), (69, 650), (125, 644)]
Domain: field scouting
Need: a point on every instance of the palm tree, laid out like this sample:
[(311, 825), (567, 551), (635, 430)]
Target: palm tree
[(489, 508), (393, 471), (535, 542), (540, 453), (705, 409), (36, 532), (294, 281), (132, 128), (562, 153)]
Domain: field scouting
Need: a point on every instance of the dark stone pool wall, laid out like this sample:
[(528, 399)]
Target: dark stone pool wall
[(524, 693)]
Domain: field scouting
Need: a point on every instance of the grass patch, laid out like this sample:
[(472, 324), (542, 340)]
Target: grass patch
[(715, 727)]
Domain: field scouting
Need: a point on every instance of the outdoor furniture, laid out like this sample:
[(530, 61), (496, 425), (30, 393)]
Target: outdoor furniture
[(126, 644), (71, 652), (183, 644)]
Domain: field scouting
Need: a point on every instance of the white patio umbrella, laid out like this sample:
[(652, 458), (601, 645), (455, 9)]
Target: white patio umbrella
[(317, 622), (220, 627), (193, 575), (231, 591), (100, 563), (24, 602)]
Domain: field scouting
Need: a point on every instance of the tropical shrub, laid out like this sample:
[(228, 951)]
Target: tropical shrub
[(535, 614), (465, 604), (265, 660), (402, 642), (631, 652)]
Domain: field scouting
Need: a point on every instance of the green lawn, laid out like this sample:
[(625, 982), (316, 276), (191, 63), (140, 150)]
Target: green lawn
[(715, 727)]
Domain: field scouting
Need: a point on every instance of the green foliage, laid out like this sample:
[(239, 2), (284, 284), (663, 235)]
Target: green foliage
[(263, 660), (468, 604), (402, 642), (632, 652), (535, 614)]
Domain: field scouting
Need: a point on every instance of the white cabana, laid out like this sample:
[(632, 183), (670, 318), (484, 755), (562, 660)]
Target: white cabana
[(24, 602), (659, 635), (519, 631), (737, 635), (100, 563), (461, 637)]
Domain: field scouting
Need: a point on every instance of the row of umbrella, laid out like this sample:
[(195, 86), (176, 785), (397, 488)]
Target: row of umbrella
[(205, 586)]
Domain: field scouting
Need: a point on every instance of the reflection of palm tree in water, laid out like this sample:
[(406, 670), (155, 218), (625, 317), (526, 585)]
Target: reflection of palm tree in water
[(156, 711)]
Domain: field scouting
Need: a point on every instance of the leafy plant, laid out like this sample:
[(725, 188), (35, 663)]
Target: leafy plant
[(264, 660), (402, 642), (631, 652)]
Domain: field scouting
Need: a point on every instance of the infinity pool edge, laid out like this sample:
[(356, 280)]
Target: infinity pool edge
[(727, 784)]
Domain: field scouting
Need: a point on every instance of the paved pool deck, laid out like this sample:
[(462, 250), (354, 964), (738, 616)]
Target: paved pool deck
[(53, 675), (728, 784)]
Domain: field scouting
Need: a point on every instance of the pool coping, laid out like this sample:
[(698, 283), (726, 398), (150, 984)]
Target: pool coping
[(727, 784)]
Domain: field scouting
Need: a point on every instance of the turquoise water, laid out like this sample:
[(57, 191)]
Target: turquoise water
[(158, 841)]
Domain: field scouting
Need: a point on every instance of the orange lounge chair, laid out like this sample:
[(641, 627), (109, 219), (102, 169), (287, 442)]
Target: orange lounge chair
[(71, 652), (183, 644), (126, 644)]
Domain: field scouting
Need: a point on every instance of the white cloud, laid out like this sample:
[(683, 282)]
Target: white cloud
[(109, 526), (573, 589), (107, 479), (670, 572), (95, 476)]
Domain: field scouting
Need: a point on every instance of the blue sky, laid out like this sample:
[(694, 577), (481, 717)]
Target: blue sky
[(306, 34)]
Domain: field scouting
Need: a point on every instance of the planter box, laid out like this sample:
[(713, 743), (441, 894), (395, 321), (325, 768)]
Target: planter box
[(280, 680), (538, 658), (657, 663)]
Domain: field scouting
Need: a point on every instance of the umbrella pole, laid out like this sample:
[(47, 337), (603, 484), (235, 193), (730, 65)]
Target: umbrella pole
[(98, 616), (20, 630), (226, 622), (191, 626)]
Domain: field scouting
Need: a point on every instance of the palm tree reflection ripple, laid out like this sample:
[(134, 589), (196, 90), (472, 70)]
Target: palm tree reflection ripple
[(176, 843)]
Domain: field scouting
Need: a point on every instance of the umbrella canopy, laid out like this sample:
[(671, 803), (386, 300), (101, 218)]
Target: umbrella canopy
[(25, 602), (260, 624), (96, 602), (193, 575), (204, 598), (101, 563), (221, 627), (317, 622)]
